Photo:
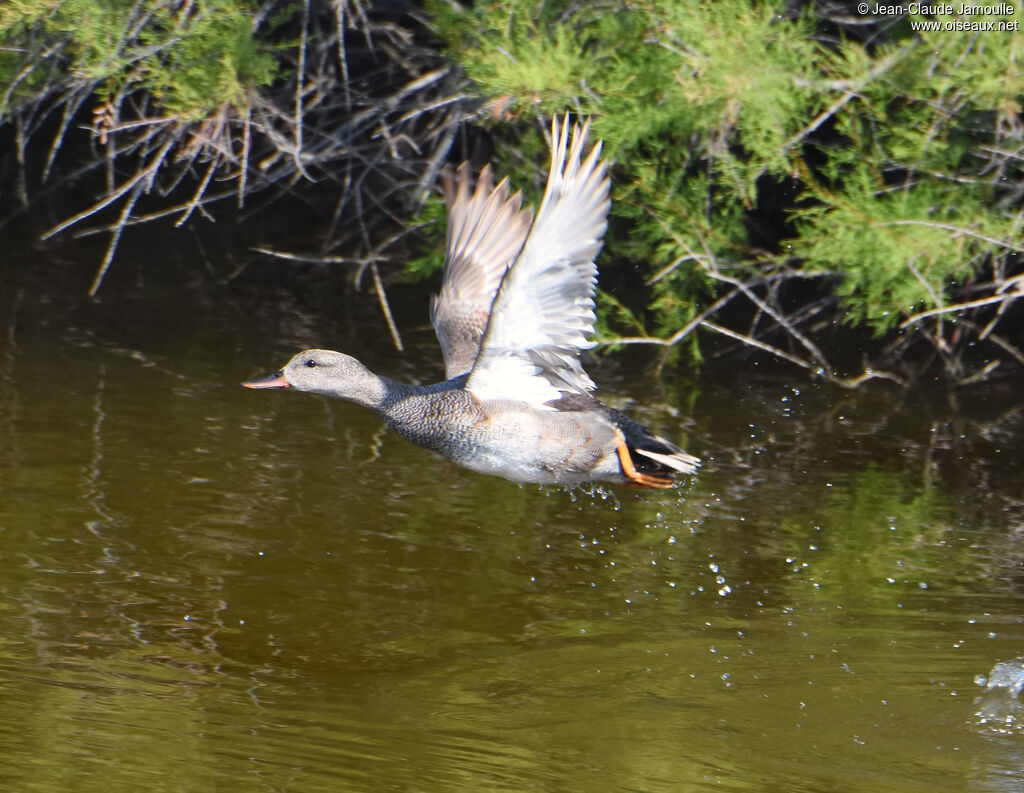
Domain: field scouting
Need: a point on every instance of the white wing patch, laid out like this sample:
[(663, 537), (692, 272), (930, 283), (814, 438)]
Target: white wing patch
[(543, 314)]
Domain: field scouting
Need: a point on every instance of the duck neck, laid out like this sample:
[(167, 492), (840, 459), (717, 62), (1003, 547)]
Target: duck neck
[(370, 390), (377, 393), (391, 393), (396, 397), (419, 413)]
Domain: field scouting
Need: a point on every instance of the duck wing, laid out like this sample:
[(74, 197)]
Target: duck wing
[(543, 314), (486, 231)]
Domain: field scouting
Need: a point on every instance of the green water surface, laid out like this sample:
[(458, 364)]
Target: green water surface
[(204, 588)]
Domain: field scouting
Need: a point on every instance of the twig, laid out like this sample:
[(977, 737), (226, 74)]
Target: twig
[(980, 375), (298, 257), (820, 119), (197, 196), (383, 298), (70, 102), (956, 230), (985, 301), (752, 342), (115, 237), (1014, 351), (921, 279), (809, 345), (110, 198), (300, 78), (243, 169)]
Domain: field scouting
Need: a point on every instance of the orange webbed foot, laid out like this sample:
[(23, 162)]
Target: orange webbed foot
[(638, 479)]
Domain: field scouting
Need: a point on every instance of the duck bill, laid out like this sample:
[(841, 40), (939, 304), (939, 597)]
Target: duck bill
[(276, 380)]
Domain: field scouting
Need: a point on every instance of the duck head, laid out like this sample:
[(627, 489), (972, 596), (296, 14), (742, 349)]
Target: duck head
[(326, 372)]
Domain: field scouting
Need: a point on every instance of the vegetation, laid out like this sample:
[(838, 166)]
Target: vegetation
[(187, 103), (759, 150), (191, 58), (780, 172)]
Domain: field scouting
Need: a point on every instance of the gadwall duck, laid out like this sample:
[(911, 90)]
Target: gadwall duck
[(516, 308)]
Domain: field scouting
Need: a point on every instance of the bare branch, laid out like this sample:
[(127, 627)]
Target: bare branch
[(1006, 297), (958, 230)]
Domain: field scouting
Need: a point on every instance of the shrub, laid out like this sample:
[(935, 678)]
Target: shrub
[(889, 166)]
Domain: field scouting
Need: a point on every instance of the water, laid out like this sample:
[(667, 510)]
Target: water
[(1000, 704), (209, 588)]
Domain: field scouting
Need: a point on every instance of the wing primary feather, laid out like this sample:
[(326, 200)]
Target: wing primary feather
[(543, 315), (486, 231)]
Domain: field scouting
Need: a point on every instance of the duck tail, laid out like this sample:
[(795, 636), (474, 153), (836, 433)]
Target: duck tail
[(648, 459), (677, 459)]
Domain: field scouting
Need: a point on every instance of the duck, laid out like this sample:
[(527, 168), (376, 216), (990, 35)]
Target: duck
[(514, 313)]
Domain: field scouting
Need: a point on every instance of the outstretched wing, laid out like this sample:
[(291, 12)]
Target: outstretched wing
[(486, 231), (543, 314)]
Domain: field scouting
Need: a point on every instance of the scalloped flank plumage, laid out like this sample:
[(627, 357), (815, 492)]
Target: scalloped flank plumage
[(516, 308)]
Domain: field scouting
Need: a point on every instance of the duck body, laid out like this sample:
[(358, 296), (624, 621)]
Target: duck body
[(556, 447), (515, 310), (579, 439)]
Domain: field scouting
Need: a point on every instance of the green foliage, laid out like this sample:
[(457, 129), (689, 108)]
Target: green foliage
[(909, 248), (701, 104), (432, 220), (189, 57), (216, 61), (615, 316), (905, 212)]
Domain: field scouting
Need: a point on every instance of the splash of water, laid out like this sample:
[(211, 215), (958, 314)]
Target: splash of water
[(1000, 705)]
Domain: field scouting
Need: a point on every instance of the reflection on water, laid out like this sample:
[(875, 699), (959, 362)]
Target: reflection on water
[(206, 588)]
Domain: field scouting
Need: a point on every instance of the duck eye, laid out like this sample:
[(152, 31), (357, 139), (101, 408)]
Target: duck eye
[(311, 363)]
